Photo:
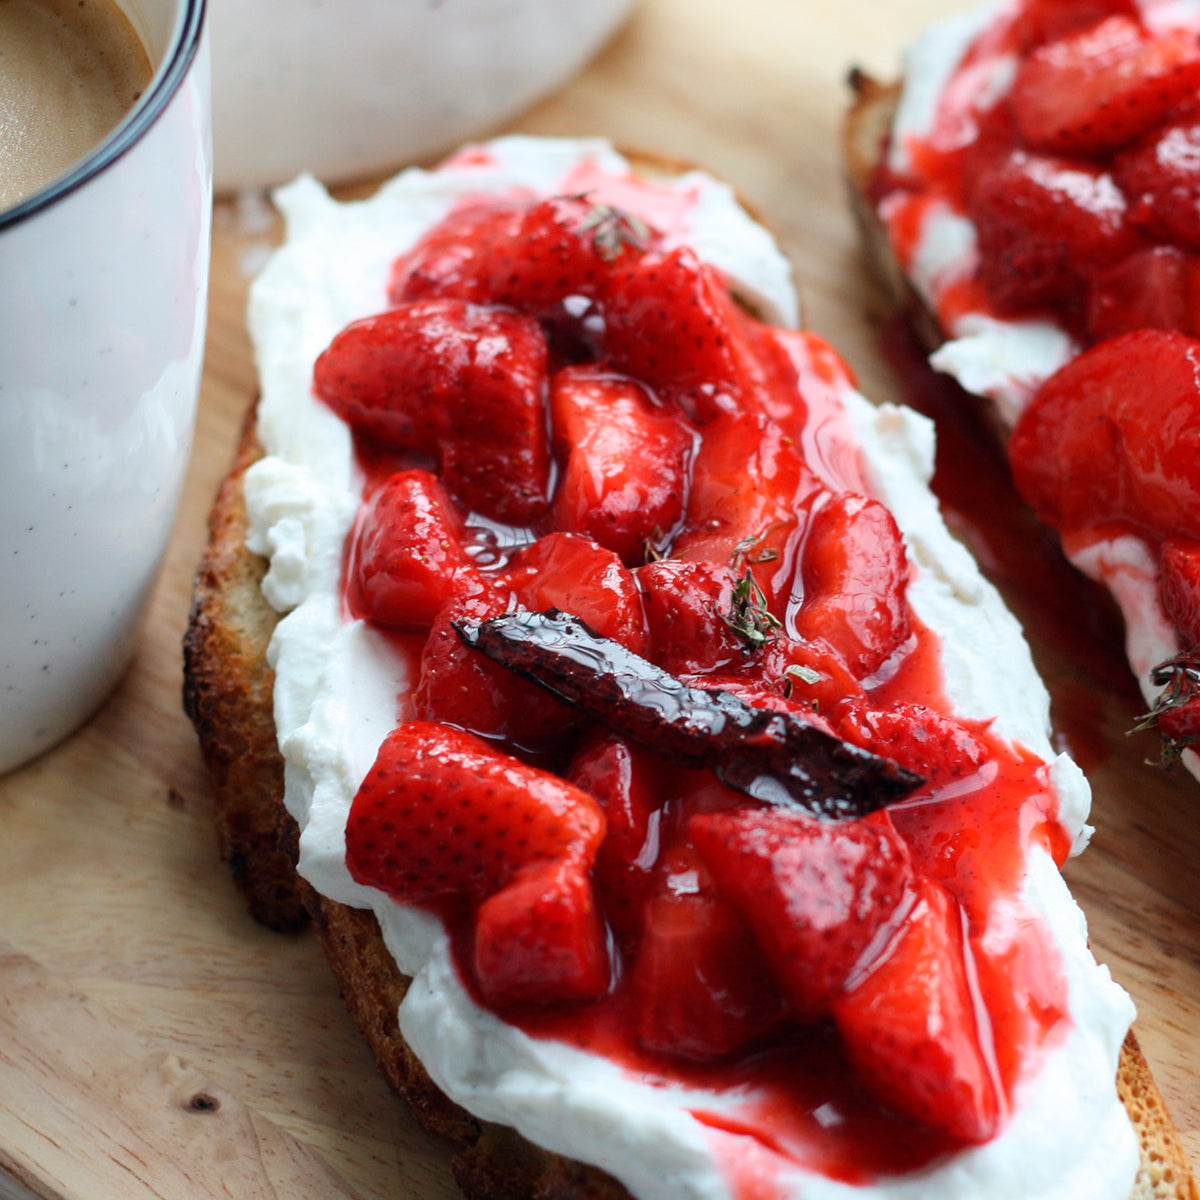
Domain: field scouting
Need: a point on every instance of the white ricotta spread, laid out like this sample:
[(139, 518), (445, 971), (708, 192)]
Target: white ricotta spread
[(335, 701), (1007, 360)]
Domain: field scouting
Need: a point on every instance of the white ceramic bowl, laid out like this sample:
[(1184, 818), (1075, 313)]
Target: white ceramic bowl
[(350, 88)]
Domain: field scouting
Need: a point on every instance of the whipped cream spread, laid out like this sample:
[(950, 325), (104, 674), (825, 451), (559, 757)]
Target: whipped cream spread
[(1008, 359), (337, 684)]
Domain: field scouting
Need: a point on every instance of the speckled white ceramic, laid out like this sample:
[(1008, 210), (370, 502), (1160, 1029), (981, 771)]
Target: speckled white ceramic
[(102, 316), (348, 88)]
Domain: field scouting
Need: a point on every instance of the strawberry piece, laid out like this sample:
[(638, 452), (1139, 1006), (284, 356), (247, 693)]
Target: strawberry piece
[(1179, 587), (573, 574), (1151, 289), (626, 462), (701, 989), (1115, 436), (462, 687), (1100, 87), (1041, 21), (462, 384), (810, 673), (1043, 223), (526, 255), (442, 813), (686, 606), (759, 693), (814, 893), (1160, 176), (669, 322), (448, 261), (854, 582), (748, 483), (625, 781), (908, 1020), (541, 939), (920, 738), (407, 557)]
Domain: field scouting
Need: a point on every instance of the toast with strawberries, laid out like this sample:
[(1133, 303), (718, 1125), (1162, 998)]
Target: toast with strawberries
[(1030, 198), (566, 621)]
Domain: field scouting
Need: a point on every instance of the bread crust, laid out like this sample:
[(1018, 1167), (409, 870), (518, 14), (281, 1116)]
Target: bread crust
[(1164, 1173)]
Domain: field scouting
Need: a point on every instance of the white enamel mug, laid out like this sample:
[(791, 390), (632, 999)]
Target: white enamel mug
[(103, 299)]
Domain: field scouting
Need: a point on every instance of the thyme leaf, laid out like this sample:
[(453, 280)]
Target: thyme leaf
[(1179, 678), (613, 229), (764, 555), (654, 549), (748, 616), (804, 674)]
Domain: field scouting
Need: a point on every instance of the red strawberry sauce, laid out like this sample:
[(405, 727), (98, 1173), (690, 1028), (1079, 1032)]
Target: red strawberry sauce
[(641, 949)]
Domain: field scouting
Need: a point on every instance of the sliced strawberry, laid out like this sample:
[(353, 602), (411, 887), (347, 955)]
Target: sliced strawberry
[(528, 255), (669, 322), (1100, 87), (701, 989), (814, 893), (920, 738), (1041, 21), (854, 582), (759, 692), (626, 462), (627, 784), (450, 259), (1115, 436), (811, 673), (910, 1028), (459, 383), (442, 813), (748, 483), (1151, 289), (687, 605), (1179, 587), (573, 574), (461, 687), (541, 939), (407, 557), (1043, 223), (1160, 176)]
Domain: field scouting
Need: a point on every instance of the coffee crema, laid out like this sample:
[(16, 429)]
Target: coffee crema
[(69, 72)]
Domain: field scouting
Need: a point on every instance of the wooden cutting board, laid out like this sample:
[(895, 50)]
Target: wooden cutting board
[(154, 1042)]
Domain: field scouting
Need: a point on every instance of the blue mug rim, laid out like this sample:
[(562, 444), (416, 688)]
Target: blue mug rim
[(166, 83)]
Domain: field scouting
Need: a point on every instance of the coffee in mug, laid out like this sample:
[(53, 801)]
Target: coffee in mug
[(70, 70)]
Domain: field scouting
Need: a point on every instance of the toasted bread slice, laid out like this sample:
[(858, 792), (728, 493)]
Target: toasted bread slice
[(228, 686)]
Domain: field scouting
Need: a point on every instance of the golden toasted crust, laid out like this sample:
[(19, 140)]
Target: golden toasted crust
[(227, 693), (865, 133), (1165, 1173)]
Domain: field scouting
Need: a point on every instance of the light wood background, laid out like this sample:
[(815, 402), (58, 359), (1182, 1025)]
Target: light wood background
[(155, 1042)]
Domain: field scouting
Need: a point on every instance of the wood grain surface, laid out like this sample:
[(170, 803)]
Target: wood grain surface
[(155, 1042)]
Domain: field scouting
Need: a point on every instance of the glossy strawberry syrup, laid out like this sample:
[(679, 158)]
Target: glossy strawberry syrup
[(788, 1097), (795, 1098)]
